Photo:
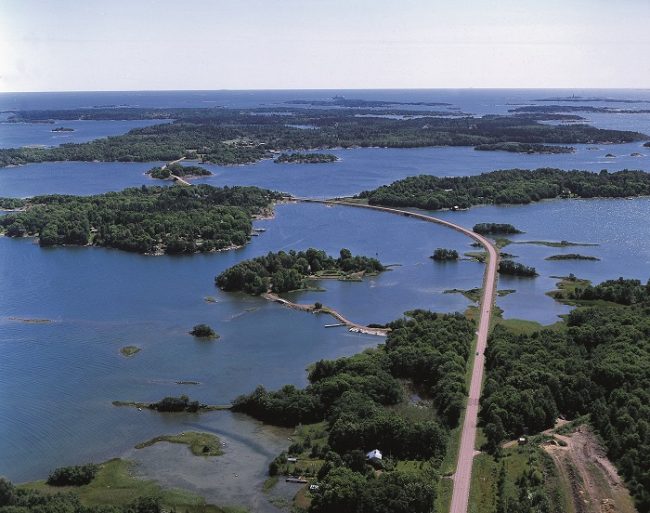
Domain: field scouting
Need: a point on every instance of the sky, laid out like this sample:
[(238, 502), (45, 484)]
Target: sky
[(76, 45)]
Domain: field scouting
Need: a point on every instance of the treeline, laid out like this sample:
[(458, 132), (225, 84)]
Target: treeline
[(443, 254), (305, 158), (174, 220), (495, 229), (12, 203), (514, 186), (514, 147), (282, 272), (234, 136), (163, 173), (77, 475), (599, 365), (622, 291), (512, 268)]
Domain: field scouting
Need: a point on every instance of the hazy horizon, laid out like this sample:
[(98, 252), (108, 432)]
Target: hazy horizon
[(154, 45)]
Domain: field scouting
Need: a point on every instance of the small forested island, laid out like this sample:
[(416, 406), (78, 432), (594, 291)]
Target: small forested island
[(513, 186), (647, 145), (149, 220), (129, 351), (571, 256), (516, 269), (305, 158), (495, 229), (166, 172), (341, 101), (283, 272), (443, 254), (238, 136), (62, 129), (576, 108), (514, 147), (203, 331)]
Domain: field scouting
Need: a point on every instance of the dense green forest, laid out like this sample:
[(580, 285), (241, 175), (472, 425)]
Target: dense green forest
[(364, 405), (514, 147), (163, 173), (598, 364), (12, 203), (495, 229), (515, 186), (173, 220), (282, 272), (234, 136), (305, 158), (571, 256)]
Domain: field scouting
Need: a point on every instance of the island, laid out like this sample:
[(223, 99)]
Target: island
[(148, 220), (62, 129), (495, 229), (571, 256), (508, 267), (284, 272), (129, 351), (513, 186), (236, 136), (514, 147), (305, 158), (200, 444), (170, 171), (646, 145), (173, 405), (204, 331), (444, 255)]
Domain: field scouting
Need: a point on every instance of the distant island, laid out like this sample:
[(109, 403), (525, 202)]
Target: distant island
[(495, 229), (149, 220), (340, 101), (548, 109), (514, 147), (62, 129), (284, 272), (647, 145), (166, 172), (512, 186), (305, 158), (588, 99), (236, 136), (571, 256)]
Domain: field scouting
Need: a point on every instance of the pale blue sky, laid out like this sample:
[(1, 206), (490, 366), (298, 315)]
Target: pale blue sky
[(58, 45)]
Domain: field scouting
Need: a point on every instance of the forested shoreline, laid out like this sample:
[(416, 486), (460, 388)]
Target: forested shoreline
[(512, 186), (150, 220)]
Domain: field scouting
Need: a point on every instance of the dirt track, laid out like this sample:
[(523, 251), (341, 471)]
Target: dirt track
[(592, 480)]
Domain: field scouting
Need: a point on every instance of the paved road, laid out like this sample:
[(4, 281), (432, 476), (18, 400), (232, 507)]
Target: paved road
[(463, 475)]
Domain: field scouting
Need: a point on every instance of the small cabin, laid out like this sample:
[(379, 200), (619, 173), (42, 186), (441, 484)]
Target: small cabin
[(292, 460), (522, 440), (374, 455)]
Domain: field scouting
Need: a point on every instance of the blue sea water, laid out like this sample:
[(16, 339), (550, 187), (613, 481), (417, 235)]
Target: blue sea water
[(57, 379)]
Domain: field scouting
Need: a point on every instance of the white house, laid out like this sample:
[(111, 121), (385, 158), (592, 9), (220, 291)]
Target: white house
[(374, 455)]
